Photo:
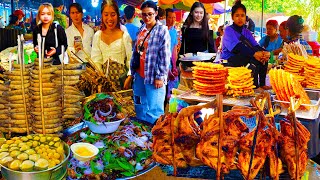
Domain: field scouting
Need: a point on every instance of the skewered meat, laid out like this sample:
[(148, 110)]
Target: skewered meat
[(287, 150), (162, 139), (207, 149)]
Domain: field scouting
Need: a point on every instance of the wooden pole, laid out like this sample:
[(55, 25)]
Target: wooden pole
[(40, 83), (62, 76), (20, 54), (221, 132)]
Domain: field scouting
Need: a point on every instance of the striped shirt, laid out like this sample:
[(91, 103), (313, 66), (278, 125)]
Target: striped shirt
[(158, 54)]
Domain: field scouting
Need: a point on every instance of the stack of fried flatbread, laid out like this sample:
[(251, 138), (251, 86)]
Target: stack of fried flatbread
[(210, 79), (71, 94), (51, 98), (285, 86), (312, 72), (240, 82), (19, 117), (295, 65)]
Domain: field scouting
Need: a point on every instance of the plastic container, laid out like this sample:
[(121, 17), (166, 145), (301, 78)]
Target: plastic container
[(90, 147), (105, 127)]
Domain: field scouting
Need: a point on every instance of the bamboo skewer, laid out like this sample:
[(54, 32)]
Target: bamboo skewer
[(41, 56), (221, 133), (20, 48), (93, 64), (62, 77)]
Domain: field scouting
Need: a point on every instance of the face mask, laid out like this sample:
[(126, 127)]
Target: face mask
[(218, 33)]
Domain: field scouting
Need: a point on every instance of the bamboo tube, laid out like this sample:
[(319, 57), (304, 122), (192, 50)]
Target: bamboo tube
[(20, 47), (221, 131)]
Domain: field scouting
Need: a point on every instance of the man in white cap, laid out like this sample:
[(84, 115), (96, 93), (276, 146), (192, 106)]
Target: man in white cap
[(1, 23)]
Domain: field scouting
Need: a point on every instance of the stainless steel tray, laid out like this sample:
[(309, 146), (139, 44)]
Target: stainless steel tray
[(311, 114), (73, 129), (206, 57)]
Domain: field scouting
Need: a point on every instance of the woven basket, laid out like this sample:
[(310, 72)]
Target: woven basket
[(125, 98), (114, 72)]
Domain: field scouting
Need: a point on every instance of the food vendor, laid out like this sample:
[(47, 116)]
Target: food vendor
[(272, 41), (46, 28), (196, 35), (150, 78), (240, 48), (295, 27)]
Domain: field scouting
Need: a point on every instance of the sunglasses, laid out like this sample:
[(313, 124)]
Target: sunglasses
[(147, 14)]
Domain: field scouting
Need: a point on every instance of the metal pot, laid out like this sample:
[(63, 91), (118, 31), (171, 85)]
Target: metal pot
[(56, 173)]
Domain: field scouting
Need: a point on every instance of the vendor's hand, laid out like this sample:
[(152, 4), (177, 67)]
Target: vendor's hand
[(77, 46), (36, 49), (259, 56), (158, 83), (51, 52), (266, 55), (127, 83)]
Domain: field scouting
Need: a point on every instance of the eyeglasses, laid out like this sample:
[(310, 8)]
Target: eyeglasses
[(147, 14)]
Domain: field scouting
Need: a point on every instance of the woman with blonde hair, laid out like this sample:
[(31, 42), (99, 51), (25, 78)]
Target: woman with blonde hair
[(111, 44), (54, 39)]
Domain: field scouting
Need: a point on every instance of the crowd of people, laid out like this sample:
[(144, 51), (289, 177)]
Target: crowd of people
[(149, 53)]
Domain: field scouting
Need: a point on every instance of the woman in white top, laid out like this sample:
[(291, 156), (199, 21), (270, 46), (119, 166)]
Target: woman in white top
[(112, 42), (80, 31)]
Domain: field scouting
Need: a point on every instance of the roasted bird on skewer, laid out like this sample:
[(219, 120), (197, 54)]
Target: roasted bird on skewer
[(162, 137), (265, 147), (207, 149), (287, 150)]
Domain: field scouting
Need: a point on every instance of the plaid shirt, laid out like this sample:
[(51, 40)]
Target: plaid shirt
[(158, 55)]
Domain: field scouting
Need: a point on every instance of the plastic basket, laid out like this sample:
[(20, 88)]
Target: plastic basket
[(124, 98)]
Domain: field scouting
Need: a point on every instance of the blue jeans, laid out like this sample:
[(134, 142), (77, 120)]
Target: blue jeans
[(148, 101)]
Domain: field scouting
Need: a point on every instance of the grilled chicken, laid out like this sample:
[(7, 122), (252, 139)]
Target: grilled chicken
[(207, 149), (287, 150)]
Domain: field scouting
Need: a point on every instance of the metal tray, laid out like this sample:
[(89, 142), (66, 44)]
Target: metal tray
[(311, 114), (193, 96), (73, 129), (207, 57)]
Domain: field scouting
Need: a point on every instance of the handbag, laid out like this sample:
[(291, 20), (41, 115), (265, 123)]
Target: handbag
[(135, 64)]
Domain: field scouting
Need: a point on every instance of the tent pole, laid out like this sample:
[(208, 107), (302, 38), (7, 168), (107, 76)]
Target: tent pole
[(261, 29), (12, 6), (225, 13)]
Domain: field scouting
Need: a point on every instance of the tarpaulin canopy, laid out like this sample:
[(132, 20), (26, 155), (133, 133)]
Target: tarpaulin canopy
[(212, 8)]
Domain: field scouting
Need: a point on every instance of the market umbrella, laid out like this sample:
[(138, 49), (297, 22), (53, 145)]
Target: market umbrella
[(218, 8)]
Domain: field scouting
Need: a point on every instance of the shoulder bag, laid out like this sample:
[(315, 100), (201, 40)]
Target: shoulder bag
[(135, 64)]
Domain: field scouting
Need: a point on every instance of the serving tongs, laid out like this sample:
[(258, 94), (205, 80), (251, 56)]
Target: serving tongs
[(294, 105)]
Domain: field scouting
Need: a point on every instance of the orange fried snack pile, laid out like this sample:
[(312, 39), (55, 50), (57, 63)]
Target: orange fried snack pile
[(240, 82), (265, 147), (210, 79), (287, 150), (207, 149), (295, 65), (285, 86), (312, 72)]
